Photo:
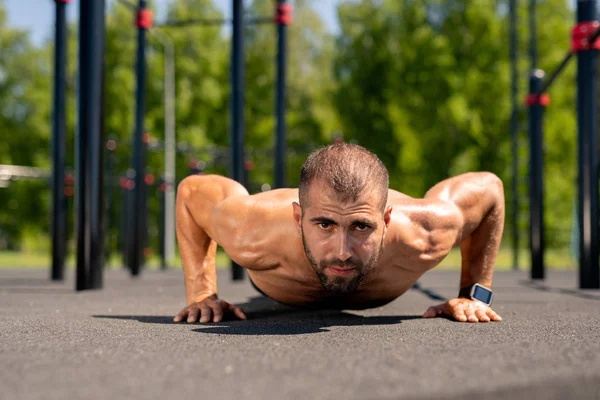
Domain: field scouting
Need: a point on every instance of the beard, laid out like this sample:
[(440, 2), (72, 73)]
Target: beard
[(341, 284)]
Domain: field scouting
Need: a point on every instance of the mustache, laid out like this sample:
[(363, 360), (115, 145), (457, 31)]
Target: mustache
[(340, 263)]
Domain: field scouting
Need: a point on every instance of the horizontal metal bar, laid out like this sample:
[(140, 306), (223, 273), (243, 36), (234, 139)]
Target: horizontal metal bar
[(7, 172), (188, 22)]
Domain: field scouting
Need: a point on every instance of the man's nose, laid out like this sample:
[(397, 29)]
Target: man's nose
[(344, 249)]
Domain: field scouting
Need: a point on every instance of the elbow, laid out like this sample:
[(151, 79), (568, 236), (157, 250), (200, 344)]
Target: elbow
[(185, 189), (498, 186), (494, 185)]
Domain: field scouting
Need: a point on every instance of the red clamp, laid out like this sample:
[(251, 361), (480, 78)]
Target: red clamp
[(62, 1), (283, 14), (144, 18), (534, 100), (581, 34)]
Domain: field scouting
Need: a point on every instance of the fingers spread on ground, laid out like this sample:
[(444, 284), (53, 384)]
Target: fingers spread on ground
[(193, 315), (470, 313), (238, 312), (493, 316), (431, 312), (180, 316), (206, 314), (217, 312), (481, 315), (458, 313)]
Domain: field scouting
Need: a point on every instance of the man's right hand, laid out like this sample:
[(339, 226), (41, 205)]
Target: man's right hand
[(210, 309)]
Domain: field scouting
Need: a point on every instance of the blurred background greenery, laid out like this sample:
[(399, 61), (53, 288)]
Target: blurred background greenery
[(423, 84)]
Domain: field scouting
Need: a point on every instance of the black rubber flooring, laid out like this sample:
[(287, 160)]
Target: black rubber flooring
[(120, 343)]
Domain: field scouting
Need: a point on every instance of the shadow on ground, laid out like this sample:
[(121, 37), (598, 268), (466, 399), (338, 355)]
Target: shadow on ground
[(267, 317)]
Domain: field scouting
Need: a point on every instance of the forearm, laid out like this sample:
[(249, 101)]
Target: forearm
[(197, 198), (479, 199), (198, 253), (479, 248)]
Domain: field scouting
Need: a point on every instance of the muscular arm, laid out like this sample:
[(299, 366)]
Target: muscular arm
[(197, 199), (479, 202)]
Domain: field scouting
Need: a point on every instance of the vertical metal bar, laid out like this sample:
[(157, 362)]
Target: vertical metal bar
[(135, 247), (533, 53), (536, 183), (281, 141), (589, 274), (170, 172), (514, 131), (89, 199), (162, 244), (237, 105), (59, 200), (96, 152), (110, 186)]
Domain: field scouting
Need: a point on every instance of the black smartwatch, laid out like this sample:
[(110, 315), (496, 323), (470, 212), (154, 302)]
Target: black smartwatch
[(477, 292)]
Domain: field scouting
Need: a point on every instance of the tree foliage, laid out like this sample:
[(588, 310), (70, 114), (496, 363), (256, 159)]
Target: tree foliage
[(423, 84)]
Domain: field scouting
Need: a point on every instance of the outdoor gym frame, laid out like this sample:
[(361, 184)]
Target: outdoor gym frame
[(89, 199), (585, 44)]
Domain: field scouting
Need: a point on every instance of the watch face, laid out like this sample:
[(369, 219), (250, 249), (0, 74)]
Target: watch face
[(482, 294)]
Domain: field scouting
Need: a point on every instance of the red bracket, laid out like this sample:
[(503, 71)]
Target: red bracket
[(581, 34), (283, 14), (62, 1), (534, 100), (144, 18)]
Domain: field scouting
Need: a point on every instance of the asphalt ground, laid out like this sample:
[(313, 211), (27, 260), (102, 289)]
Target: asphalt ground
[(120, 343)]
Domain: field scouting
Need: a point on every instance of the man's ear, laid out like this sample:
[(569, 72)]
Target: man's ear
[(387, 215), (297, 215)]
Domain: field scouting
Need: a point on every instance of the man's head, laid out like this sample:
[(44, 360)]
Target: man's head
[(342, 214)]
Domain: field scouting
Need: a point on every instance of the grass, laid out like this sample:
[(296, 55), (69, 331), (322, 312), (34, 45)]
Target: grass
[(555, 259)]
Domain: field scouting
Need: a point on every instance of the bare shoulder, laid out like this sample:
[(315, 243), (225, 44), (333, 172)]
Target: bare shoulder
[(253, 229), (422, 231)]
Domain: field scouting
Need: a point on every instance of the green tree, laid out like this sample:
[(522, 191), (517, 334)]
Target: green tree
[(425, 84), (25, 96)]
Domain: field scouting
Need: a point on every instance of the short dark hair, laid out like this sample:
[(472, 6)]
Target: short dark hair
[(349, 169)]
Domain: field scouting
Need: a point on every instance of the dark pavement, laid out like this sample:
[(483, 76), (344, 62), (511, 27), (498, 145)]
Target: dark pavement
[(120, 343)]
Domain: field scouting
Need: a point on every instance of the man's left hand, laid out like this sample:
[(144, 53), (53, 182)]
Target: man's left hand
[(463, 310)]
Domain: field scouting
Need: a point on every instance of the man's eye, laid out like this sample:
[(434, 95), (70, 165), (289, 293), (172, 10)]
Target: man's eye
[(324, 225), (362, 227)]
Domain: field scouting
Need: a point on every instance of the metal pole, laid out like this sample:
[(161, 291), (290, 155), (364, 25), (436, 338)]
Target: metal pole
[(237, 108), (89, 147), (168, 243), (587, 106), (514, 131), (59, 200), (110, 183), (533, 53), (161, 224), (135, 247), (280, 146), (536, 176)]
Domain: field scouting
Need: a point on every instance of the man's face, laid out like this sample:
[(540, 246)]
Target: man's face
[(342, 241)]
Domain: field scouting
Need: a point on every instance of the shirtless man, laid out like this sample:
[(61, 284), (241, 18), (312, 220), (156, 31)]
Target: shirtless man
[(341, 240)]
